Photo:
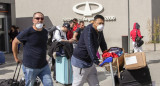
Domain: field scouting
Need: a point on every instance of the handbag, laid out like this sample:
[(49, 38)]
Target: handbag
[(140, 43), (139, 40), (137, 37)]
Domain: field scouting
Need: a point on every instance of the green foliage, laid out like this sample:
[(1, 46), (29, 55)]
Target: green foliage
[(156, 30)]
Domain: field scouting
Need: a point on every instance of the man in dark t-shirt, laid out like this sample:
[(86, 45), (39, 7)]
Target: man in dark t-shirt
[(34, 52), (78, 31)]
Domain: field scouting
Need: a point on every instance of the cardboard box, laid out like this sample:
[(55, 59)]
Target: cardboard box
[(135, 60), (116, 63)]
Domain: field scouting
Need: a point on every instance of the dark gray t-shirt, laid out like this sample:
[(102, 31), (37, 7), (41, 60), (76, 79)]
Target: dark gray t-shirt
[(35, 45), (79, 31)]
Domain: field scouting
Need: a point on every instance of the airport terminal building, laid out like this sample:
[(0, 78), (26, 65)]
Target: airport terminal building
[(120, 15)]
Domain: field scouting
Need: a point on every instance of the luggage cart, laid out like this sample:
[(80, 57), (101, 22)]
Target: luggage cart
[(112, 75), (109, 60), (115, 63)]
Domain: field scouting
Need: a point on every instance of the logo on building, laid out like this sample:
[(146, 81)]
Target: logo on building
[(87, 10)]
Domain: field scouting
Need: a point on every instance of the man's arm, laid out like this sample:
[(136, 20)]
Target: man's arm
[(75, 36), (15, 49), (58, 38), (89, 42), (103, 44), (69, 41)]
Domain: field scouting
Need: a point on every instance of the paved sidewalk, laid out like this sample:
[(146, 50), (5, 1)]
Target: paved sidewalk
[(153, 60)]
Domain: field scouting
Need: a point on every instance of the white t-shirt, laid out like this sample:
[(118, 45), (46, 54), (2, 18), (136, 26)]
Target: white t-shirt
[(59, 35)]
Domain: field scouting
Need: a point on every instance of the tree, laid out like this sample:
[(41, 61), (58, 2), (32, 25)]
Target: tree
[(156, 32)]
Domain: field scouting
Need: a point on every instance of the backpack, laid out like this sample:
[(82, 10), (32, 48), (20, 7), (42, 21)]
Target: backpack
[(51, 32)]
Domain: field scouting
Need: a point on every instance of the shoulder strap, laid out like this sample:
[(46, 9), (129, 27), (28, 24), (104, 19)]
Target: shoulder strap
[(59, 32), (54, 32), (50, 30)]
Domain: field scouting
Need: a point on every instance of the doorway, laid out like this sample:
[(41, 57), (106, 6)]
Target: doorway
[(4, 40)]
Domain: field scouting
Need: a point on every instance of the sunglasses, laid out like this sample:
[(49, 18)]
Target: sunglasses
[(38, 18), (101, 23)]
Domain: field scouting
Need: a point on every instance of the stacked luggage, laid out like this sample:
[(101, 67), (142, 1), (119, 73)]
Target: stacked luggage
[(62, 52), (134, 71), (137, 77), (64, 73)]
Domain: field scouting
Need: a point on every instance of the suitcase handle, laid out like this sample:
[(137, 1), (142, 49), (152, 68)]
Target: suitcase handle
[(16, 72)]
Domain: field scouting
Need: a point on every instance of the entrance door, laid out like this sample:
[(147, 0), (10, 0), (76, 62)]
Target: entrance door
[(4, 41)]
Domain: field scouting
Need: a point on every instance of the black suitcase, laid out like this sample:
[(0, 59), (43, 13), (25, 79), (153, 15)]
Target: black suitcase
[(12, 82), (138, 77), (36, 83)]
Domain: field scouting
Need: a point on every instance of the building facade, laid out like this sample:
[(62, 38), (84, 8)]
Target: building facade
[(115, 12), (7, 18)]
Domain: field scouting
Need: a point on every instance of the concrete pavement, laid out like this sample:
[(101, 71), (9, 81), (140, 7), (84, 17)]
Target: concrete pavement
[(153, 60)]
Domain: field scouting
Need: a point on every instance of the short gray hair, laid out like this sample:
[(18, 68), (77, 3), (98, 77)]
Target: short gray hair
[(36, 13)]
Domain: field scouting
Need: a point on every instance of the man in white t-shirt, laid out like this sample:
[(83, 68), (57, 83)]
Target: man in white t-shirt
[(60, 34)]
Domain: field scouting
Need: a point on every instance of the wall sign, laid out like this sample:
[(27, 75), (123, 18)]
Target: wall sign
[(3, 7), (87, 11), (107, 18)]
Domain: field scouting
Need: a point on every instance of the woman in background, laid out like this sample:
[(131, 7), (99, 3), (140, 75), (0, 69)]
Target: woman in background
[(133, 34)]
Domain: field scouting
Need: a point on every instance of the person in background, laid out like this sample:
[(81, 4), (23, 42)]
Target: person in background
[(70, 32), (13, 33), (84, 55), (91, 21), (59, 36), (79, 30), (133, 34), (77, 33), (34, 62), (76, 25)]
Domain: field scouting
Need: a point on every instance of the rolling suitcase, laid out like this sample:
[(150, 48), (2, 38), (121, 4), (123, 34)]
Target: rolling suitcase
[(63, 70), (12, 82), (138, 77), (2, 58)]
